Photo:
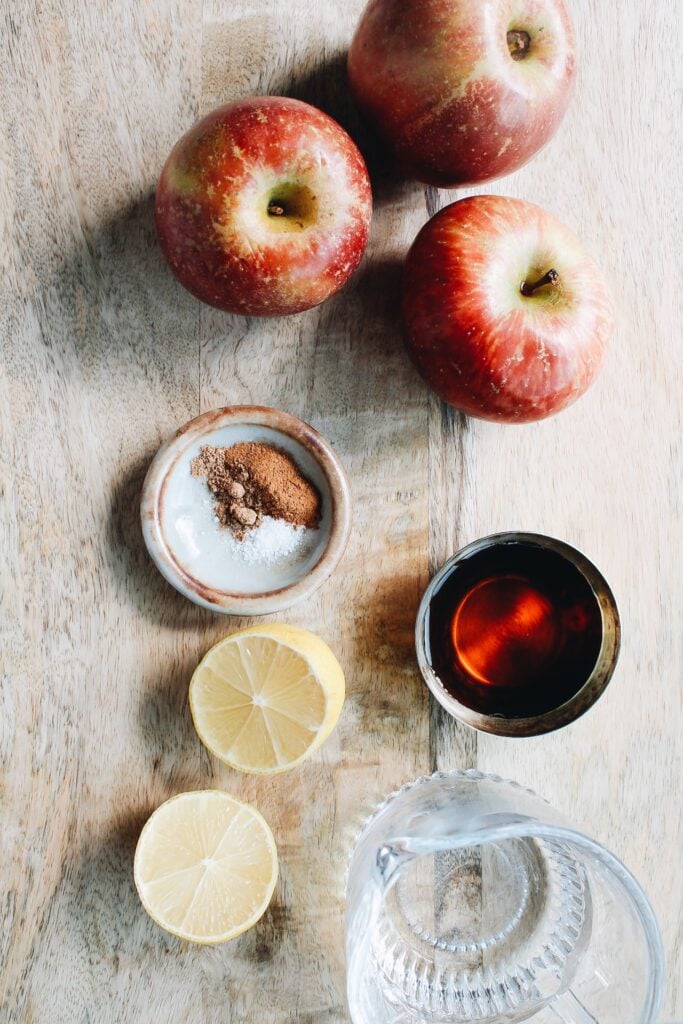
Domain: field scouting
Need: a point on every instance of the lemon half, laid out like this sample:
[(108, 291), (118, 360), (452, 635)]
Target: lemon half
[(205, 866), (263, 699)]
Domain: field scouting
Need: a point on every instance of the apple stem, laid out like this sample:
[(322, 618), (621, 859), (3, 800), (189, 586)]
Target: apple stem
[(275, 210), (552, 277), (519, 43)]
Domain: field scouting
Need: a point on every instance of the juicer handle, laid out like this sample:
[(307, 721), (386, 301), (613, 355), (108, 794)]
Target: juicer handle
[(390, 857)]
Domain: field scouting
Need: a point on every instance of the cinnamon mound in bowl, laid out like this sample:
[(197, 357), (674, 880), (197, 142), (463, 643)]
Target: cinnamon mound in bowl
[(250, 480)]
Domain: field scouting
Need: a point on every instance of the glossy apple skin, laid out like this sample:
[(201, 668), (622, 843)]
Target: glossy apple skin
[(437, 80), (212, 207), (482, 345)]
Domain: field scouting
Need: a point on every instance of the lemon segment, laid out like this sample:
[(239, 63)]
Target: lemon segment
[(264, 698), (205, 866)]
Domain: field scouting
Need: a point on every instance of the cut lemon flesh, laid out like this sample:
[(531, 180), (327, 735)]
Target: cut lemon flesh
[(205, 866), (263, 699)]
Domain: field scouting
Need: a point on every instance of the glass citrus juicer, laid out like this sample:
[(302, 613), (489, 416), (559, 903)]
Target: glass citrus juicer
[(470, 899)]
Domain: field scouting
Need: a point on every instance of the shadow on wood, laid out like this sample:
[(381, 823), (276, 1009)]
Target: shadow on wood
[(385, 631), (166, 728), (105, 915)]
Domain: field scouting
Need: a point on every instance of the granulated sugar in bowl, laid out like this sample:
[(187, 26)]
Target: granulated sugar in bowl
[(272, 541)]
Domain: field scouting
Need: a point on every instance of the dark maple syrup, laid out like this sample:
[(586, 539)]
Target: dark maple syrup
[(514, 630)]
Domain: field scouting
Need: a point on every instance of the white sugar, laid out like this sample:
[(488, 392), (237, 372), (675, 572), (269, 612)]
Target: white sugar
[(272, 541)]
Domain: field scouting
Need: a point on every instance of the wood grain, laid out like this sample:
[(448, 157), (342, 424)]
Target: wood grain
[(104, 355)]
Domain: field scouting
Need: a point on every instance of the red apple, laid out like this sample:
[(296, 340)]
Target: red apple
[(463, 91), (264, 207), (506, 316)]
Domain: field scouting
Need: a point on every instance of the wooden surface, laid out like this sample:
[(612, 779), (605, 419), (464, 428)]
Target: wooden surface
[(104, 355)]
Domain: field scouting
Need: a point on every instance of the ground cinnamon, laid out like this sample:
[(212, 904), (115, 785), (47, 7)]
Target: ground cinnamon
[(251, 480)]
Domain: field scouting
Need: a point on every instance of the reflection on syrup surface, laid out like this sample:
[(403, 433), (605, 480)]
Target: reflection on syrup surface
[(514, 630)]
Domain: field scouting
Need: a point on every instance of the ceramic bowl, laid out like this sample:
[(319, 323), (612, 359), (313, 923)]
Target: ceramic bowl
[(193, 552)]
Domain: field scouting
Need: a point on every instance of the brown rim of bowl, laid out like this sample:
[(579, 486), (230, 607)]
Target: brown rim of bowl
[(583, 699), (229, 602)]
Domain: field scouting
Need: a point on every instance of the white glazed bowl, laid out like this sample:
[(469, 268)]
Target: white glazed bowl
[(185, 541)]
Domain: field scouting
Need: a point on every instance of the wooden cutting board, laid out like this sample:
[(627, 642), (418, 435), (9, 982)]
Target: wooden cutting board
[(104, 355)]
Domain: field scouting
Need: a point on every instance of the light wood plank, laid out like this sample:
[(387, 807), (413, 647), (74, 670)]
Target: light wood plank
[(99, 364)]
